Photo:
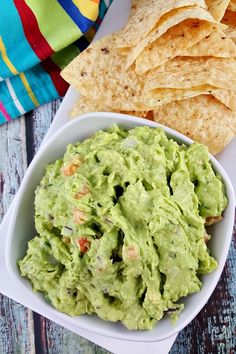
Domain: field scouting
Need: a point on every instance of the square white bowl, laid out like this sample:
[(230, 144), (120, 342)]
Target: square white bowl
[(22, 230)]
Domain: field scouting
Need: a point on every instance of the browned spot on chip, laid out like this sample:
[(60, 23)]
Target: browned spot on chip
[(105, 50), (195, 24)]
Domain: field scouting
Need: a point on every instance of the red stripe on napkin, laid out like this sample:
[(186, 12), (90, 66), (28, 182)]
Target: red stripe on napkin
[(54, 72), (32, 32)]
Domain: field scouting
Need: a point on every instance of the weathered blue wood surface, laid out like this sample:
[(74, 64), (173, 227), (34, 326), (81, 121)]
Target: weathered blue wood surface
[(24, 332)]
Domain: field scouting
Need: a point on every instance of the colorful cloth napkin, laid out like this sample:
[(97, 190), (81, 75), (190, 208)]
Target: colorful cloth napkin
[(37, 40)]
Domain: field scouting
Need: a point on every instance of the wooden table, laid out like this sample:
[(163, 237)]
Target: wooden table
[(25, 332)]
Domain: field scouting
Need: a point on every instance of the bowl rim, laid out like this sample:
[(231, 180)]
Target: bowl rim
[(130, 336)]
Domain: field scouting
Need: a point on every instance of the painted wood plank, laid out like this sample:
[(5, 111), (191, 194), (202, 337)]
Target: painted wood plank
[(37, 125), (16, 328), (50, 337), (13, 161), (16, 321), (57, 340)]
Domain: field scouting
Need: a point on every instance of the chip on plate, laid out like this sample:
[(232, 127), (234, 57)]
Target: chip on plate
[(216, 44), (99, 71), (173, 62), (84, 104), (201, 118), (145, 17), (227, 97), (158, 97), (166, 22), (185, 72), (217, 8), (172, 43)]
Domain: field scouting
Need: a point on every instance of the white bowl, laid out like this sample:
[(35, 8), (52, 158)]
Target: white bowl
[(22, 230)]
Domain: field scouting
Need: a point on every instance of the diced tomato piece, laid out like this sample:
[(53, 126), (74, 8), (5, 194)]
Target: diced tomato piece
[(70, 169), (83, 244)]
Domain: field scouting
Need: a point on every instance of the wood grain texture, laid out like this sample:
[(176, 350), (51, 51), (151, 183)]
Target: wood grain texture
[(212, 332), (13, 161), (37, 124), (16, 321), (16, 328), (55, 339)]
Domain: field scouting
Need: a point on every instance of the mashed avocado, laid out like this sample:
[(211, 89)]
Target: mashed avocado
[(121, 226)]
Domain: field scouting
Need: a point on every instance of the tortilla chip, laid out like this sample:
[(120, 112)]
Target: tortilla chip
[(85, 105), (185, 72), (98, 71), (167, 21), (217, 8), (172, 43), (216, 44), (135, 6), (230, 20), (145, 18), (201, 118), (232, 5), (227, 97), (158, 97)]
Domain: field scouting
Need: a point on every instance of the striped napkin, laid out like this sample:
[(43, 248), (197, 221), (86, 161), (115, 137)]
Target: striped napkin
[(37, 40)]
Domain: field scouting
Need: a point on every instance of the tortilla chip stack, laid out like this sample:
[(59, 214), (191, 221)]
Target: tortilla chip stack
[(174, 62)]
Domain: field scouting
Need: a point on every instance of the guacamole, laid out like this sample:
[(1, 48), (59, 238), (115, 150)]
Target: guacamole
[(121, 226)]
